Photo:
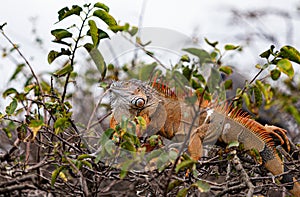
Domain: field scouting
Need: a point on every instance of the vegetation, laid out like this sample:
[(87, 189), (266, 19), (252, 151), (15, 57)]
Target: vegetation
[(51, 148)]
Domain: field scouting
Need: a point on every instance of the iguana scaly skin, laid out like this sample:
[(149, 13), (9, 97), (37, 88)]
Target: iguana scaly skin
[(171, 117)]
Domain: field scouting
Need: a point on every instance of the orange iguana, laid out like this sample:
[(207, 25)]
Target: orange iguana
[(171, 117)]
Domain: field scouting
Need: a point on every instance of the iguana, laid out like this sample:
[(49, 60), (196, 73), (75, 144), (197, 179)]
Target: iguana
[(169, 116)]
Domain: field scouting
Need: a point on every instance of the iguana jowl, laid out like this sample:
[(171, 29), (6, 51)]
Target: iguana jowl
[(170, 117)]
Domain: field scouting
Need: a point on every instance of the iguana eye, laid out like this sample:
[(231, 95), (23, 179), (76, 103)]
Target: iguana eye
[(139, 102)]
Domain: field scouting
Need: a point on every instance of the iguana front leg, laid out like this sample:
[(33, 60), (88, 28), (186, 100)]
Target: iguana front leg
[(195, 146)]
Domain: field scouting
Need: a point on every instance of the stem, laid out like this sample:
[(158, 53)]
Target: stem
[(73, 55)]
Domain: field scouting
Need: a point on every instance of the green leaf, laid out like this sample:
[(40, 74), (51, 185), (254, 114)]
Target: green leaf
[(55, 173), (101, 5), (64, 70), (187, 72), (266, 54), (55, 54), (107, 18), (133, 31), (174, 184), (184, 164), (228, 84), (11, 108), (213, 44), (233, 144), (88, 164), (117, 28), (247, 100), (257, 96), (294, 112), (200, 53), (128, 146), (9, 91), (66, 12), (125, 168), (185, 58), (285, 66), (84, 156), (290, 53), (60, 124), (52, 56), (202, 186), (61, 34), (35, 125), (17, 71), (275, 74), (266, 91), (94, 32), (97, 58), (226, 69), (214, 80), (228, 47), (141, 122), (183, 192)]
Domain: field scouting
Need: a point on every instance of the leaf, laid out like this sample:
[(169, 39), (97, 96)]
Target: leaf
[(97, 58), (146, 71), (285, 66), (54, 54), (64, 70), (66, 12), (17, 71), (183, 192), (266, 54), (228, 84), (226, 69), (84, 156), (228, 47), (203, 55), (125, 167), (61, 34), (185, 58), (60, 124), (290, 53), (233, 144), (214, 80), (257, 96), (275, 74), (106, 136), (101, 5), (133, 31), (35, 125), (202, 186), (184, 164), (141, 122), (9, 91), (88, 164), (174, 184), (63, 176), (247, 100), (266, 91), (107, 18), (55, 173), (94, 32), (294, 112), (117, 28), (213, 44), (11, 108)]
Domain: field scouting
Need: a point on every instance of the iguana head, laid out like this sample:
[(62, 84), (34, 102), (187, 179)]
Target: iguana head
[(133, 98)]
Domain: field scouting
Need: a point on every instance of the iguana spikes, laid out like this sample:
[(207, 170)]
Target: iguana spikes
[(164, 89), (271, 135)]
